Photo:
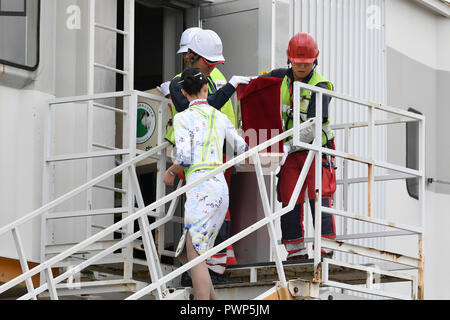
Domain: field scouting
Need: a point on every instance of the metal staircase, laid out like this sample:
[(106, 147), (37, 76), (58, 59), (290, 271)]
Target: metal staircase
[(100, 266), (301, 280)]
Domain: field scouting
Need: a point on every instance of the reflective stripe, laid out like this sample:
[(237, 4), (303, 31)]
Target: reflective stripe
[(216, 268), (212, 134), (202, 166), (221, 259), (205, 155), (227, 108)]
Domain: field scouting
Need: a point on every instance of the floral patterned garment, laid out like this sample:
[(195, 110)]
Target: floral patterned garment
[(206, 204)]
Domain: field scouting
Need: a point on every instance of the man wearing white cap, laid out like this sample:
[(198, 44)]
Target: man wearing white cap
[(203, 49)]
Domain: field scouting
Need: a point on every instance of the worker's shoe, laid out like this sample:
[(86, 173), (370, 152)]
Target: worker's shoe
[(298, 257), (186, 280), (218, 279), (328, 255)]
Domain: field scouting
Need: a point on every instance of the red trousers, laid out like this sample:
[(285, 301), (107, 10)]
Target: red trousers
[(292, 222)]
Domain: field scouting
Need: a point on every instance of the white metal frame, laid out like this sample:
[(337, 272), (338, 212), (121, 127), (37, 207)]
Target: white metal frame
[(159, 280)]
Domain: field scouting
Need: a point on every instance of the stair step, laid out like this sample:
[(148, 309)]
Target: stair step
[(304, 269), (97, 288)]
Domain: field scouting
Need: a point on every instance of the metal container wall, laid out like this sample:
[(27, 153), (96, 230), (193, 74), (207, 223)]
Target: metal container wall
[(351, 39)]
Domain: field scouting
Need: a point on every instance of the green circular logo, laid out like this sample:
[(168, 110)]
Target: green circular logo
[(146, 122)]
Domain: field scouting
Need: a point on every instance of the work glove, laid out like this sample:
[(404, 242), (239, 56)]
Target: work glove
[(286, 149), (236, 80), (164, 88)]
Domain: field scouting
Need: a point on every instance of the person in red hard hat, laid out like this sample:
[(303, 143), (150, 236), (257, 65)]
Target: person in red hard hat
[(303, 53)]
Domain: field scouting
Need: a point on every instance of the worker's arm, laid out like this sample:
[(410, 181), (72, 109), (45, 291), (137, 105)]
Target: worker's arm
[(221, 96), (216, 99), (277, 73)]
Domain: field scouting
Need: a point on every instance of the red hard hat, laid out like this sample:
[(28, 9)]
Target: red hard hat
[(302, 49)]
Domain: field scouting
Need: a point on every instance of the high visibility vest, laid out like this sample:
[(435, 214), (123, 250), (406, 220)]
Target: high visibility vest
[(212, 138), (227, 108), (305, 98)]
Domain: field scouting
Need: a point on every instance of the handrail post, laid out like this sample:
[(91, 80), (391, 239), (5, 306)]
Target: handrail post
[(161, 169), (370, 167), (51, 284), (23, 261), (422, 192), (147, 238), (130, 133), (268, 213), (46, 178), (318, 188), (345, 167)]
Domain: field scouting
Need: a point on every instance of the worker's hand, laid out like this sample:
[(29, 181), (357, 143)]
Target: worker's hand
[(237, 80), (169, 179), (286, 149)]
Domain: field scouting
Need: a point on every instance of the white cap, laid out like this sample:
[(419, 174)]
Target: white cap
[(164, 88), (207, 44), (186, 38)]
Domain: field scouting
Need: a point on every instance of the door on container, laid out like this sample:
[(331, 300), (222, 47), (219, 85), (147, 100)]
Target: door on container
[(237, 24)]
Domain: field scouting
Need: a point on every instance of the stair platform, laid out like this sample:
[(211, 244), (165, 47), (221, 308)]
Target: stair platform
[(265, 272)]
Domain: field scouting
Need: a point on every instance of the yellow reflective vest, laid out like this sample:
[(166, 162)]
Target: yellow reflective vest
[(305, 98)]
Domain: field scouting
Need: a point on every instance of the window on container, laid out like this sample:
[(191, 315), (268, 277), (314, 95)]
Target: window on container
[(412, 155), (19, 33)]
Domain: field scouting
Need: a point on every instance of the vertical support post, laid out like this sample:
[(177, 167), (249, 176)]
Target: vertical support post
[(267, 213), (318, 191), (51, 284), (161, 169), (129, 132), (272, 209), (345, 170), (90, 110), (370, 167), (273, 35), (128, 59), (46, 181), (127, 181), (296, 135), (23, 261), (147, 238), (422, 183), (325, 270), (369, 280)]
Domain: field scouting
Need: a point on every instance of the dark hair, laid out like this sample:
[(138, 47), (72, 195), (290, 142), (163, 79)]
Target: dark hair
[(193, 80)]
